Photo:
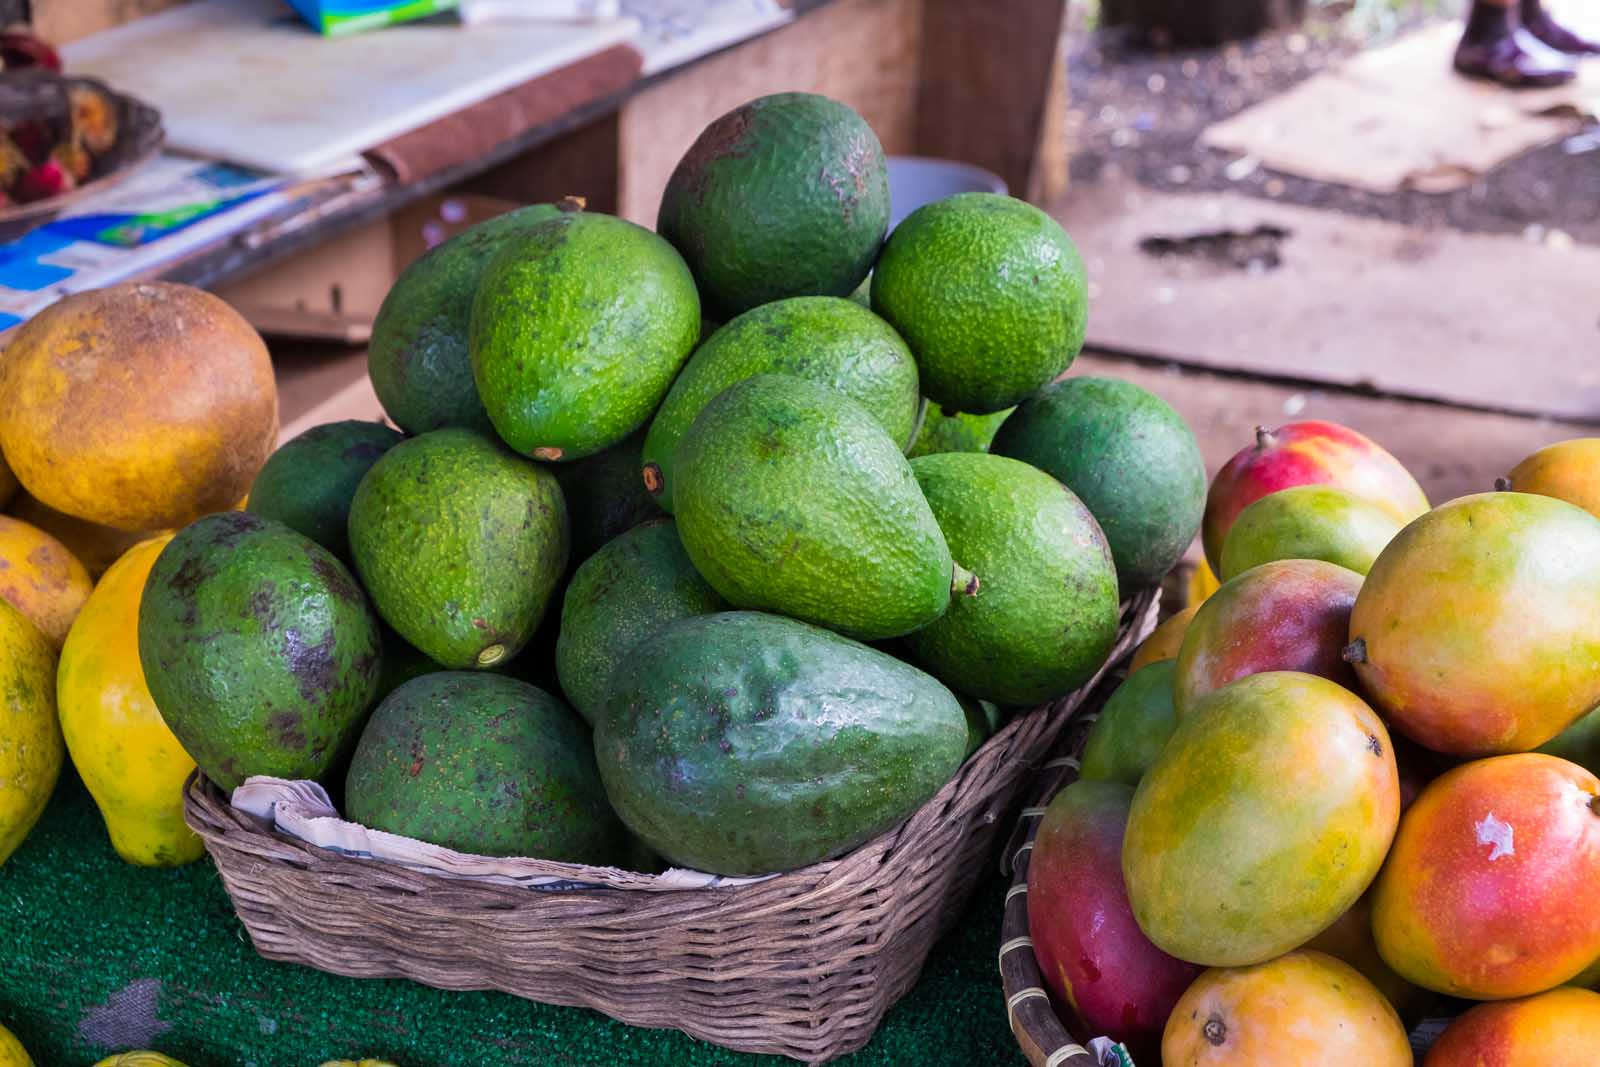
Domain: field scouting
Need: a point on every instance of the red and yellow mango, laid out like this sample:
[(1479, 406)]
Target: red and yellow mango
[(1488, 892), (1554, 1029), (1091, 952), (1303, 1009), (1567, 470), (1477, 631), (1306, 453), (1289, 615), (1265, 817)]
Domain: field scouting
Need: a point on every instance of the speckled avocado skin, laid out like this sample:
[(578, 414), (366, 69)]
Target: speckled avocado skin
[(485, 765), (259, 648), (787, 195), (991, 295), (622, 594), (578, 328), (1128, 456), (939, 432), (605, 495), (791, 498), (742, 743), (417, 358), (307, 484), (460, 543), (1046, 614), (823, 339)]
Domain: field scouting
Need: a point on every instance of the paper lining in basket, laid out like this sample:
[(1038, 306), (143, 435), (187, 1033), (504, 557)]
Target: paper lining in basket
[(302, 810)]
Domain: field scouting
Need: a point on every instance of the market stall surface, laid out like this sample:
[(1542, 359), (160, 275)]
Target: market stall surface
[(103, 956)]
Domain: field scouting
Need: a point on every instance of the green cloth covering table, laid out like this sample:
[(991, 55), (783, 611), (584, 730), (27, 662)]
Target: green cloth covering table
[(101, 956)]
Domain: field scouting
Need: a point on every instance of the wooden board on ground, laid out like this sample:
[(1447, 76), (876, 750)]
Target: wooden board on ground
[(1451, 451), (1501, 323), (1398, 117)]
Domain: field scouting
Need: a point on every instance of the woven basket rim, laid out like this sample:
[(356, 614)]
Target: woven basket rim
[(1044, 1037), (205, 803)]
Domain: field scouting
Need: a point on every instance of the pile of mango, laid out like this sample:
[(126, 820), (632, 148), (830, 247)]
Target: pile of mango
[(1352, 789), (720, 545)]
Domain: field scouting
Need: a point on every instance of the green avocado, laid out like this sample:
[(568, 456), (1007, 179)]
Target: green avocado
[(955, 433), (308, 482), (578, 327), (400, 663), (983, 719), (460, 543), (1128, 456), (787, 195), (1307, 522), (823, 339), (622, 594), (743, 743), (485, 765), (258, 647), (1133, 727), (605, 495), (792, 499), (417, 357), (990, 294), (1046, 613)]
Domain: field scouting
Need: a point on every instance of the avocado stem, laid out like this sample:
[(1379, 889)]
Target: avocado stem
[(963, 582), (653, 480), (570, 204), (491, 655)]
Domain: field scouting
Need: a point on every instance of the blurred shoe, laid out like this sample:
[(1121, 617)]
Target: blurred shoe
[(1561, 36), (1495, 46)]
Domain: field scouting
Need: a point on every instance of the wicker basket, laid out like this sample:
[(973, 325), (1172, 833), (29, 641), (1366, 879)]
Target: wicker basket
[(1040, 1031), (803, 964)]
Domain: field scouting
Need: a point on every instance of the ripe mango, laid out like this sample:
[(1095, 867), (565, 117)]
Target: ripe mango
[(1566, 470), (1092, 954), (1312, 452), (1289, 615), (1264, 818), (1476, 630), (1488, 891), (1305, 1009), (1549, 1030)]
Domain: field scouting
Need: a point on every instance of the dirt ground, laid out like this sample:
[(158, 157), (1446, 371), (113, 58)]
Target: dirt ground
[(1138, 115)]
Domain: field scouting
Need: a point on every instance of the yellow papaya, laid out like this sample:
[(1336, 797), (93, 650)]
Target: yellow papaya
[(126, 755), (30, 739)]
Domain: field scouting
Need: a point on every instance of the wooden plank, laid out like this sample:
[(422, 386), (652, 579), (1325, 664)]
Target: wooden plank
[(864, 52), (1486, 321), (1451, 451), (988, 71)]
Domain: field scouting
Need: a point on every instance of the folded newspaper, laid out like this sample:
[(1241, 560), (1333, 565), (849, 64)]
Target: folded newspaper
[(302, 810)]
